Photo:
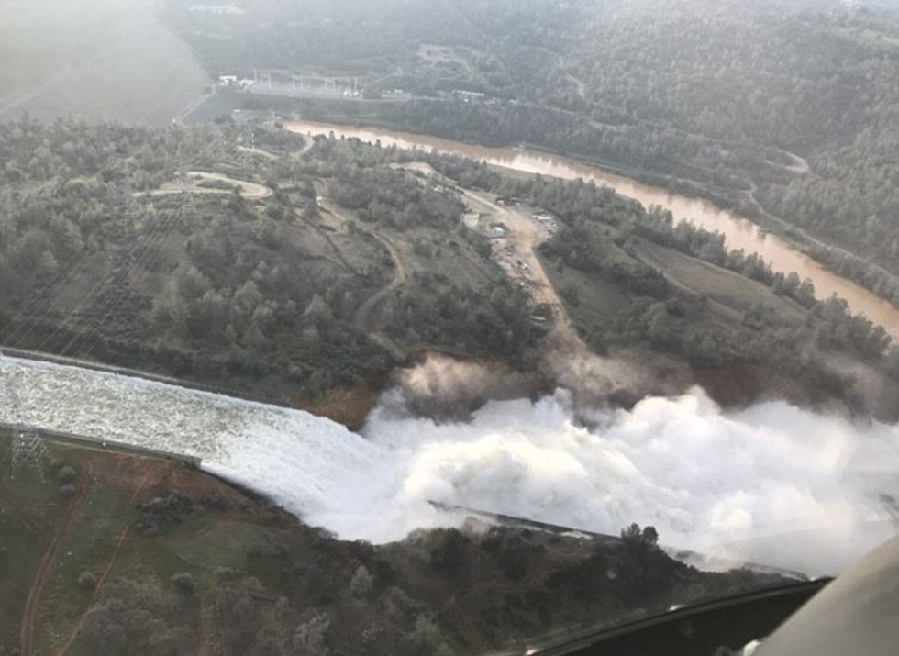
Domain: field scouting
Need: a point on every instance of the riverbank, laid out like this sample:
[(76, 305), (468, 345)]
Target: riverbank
[(740, 232), (739, 198)]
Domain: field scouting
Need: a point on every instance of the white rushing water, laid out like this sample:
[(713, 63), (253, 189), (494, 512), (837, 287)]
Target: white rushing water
[(773, 483)]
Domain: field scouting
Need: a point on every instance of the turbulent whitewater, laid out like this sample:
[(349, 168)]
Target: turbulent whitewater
[(772, 484)]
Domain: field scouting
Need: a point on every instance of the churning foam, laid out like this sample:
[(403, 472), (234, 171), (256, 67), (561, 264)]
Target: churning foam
[(773, 484)]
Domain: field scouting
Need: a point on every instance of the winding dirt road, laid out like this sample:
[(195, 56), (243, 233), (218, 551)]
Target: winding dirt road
[(249, 190), (362, 320), (400, 273)]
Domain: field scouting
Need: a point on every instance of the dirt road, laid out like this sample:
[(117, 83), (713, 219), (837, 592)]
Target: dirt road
[(363, 315), (362, 320), (123, 536), (249, 190), (524, 234), (33, 602), (258, 151), (560, 61)]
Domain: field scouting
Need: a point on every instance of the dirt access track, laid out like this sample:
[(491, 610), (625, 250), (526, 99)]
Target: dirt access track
[(401, 267), (249, 190)]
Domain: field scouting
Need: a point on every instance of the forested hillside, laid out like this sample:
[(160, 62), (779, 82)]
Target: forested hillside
[(108, 251), (294, 268), (780, 108)]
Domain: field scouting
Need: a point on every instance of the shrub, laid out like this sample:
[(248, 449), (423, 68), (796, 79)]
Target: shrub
[(184, 583), (67, 474), (87, 581)]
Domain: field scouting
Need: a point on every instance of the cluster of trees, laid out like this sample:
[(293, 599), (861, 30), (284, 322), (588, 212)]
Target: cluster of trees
[(349, 597), (658, 226), (492, 319), (836, 326), (390, 198), (820, 84), (439, 305), (872, 276)]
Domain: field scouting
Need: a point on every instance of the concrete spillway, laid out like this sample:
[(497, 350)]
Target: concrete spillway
[(759, 484)]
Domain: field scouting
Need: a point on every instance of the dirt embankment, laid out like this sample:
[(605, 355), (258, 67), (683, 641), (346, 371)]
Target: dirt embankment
[(349, 406)]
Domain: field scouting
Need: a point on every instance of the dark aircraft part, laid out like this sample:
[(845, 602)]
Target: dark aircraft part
[(857, 614), (697, 630)]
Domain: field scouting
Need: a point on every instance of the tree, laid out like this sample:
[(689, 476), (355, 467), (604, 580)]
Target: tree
[(449, 554), (309, 636), (636, 539), (361, 584), (47, 265), (248, 298), (318, 310), (184, 583), (805, 295), (650, 536), (253, 336), (87, 581)]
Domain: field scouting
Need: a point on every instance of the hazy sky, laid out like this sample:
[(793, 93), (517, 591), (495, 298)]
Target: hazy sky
[(95, 58)]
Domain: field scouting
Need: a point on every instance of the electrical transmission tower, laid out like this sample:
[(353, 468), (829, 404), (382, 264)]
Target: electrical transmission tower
[(219, 150), (28, 448), (246, 159), (188, 207), (188, 199)]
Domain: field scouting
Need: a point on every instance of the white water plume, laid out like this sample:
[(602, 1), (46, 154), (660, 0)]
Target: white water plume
[(772, 484)]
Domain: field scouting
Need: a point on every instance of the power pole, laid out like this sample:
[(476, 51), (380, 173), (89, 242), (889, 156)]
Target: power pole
[(188, 202), (28, 450)]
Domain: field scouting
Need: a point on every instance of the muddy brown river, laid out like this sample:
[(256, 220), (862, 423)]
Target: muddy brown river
[(740, 233)]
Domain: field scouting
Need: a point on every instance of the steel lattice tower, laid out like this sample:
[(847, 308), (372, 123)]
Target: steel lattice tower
[(28, 448)]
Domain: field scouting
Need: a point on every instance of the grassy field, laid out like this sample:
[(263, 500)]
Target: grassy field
[(100, 59), (727, 288)]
